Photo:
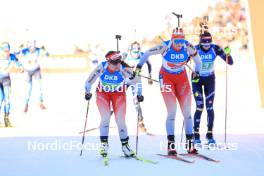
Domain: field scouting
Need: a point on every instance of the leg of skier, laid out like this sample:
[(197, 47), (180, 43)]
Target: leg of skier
[(29, 89), (209, 90), (6, 89), (198, 97), (119, 107), (37, 76), (183, 94), (103, 101), (1, 96), (169, 98)]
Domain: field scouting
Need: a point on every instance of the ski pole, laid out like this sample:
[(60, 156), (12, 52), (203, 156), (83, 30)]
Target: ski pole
[(137, 132), (226, 100), (84, 129), (178, 17), (149, 78), (182, 130), (118, 37)]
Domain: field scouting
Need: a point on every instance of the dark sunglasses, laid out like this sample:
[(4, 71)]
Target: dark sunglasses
[(115, 62)]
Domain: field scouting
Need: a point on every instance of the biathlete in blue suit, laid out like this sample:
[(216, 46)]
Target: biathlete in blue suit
[(204, 87), (7, 61)]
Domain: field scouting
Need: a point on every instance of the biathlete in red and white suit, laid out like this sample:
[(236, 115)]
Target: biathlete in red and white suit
[(111, 91), (174, 83)]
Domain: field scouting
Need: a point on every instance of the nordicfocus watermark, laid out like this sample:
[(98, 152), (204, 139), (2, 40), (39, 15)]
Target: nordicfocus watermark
[(123, 88), (58, 145), (203, 146), (214, 30)]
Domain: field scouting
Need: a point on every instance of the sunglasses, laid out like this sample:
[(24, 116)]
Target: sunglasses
[(135, 51), (115, 62), (206, 44), (178, 41)]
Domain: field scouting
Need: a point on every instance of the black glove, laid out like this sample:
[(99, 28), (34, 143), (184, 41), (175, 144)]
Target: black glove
[(140, 98), (88, 96)]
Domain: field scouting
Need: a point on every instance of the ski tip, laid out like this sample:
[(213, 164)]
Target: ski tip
[(106, 161), (150, 134), (200, 156)]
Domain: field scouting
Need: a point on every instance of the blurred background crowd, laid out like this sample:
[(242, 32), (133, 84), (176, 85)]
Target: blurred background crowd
[(226, 21)]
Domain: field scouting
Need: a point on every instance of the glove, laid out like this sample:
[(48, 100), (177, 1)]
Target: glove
[(227, 50), (140, 98), (88, 96), (137, 71), (124, 56), (150, 82), (195, 77)]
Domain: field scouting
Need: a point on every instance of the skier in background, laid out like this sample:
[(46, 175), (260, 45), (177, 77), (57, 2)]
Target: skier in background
[(132, 59), (111, 91), (174, 83), (204, 88), (7, 61), (30, 59)]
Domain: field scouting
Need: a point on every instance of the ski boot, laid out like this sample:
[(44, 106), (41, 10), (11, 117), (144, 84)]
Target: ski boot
[(104, 147), (128, 152), (7, 121), (171, 145), (210, 138), (26, 108), (197, 140), (41, 105), (190, 145)]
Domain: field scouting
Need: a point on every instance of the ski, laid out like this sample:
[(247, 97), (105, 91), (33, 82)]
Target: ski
[(92, 129), (105, 160), (200, 156), (150, 134), (145, 131), (139, 158), (177, 158)]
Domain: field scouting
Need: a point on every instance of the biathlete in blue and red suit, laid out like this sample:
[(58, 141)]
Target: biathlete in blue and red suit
[(174, 83)]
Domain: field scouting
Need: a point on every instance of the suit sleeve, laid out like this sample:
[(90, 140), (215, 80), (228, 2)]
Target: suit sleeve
[(192, 52), (159, 49), (93, 77), (220, 52)]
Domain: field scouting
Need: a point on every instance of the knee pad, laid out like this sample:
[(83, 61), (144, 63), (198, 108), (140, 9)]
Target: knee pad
[(199, 106), (209, 107)]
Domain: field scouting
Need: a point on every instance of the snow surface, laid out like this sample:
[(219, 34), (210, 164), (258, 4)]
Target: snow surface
[(18, 159), (61, 123)]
